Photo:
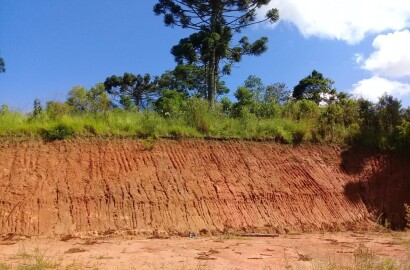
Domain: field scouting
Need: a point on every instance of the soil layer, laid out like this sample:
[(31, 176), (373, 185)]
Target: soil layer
[(171, 187)]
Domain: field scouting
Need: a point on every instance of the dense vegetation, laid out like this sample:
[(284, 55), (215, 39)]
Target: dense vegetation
[(191, 101), (259, 112)]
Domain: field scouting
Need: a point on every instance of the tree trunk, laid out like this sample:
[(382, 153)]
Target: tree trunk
[(212, 81), (212, 74)]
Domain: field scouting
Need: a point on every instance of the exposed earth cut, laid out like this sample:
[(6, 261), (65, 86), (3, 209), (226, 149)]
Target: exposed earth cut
[(171, 187)]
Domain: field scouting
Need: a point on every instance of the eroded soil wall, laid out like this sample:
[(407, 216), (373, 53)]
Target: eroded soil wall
[(80, 186)]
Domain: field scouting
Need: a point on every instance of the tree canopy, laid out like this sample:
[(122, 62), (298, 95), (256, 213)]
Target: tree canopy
[(188, 80), (130, 89), (216, 22), (2, 66), (314, 87)]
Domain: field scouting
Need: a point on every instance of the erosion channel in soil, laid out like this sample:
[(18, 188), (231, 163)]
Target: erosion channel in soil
[(172, 187)]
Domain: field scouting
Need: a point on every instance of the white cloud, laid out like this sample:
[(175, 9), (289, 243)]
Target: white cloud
[(359, 58), (348, 20), (392, 55), (376, 86)]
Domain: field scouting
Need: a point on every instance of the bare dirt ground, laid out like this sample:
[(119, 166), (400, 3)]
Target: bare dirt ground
[(292, 251)]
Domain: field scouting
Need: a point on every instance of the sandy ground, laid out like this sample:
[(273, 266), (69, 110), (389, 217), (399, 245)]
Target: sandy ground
[(296, 251)]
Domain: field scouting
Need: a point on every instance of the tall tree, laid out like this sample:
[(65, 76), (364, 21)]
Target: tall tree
[(77, 99), (315, 87), (2, 66), (131, 88), (37, 109), (256, 86), (215, 21), (277, 93), (188, 79)]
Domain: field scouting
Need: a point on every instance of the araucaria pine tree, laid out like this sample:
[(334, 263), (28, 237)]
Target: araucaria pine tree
[(215, 22)]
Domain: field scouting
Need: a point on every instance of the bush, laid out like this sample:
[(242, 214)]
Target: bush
[(152, 125), (198, 115), (301, 110), (267, 110), (55, 109), (170, 103), (298, 135), (58, 132)]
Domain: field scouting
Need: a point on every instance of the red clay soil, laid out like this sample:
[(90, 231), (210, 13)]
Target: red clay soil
[(173, 187)]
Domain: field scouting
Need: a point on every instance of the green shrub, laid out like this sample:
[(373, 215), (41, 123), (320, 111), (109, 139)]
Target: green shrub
[(170, 103), (58, 132), (198, 115), (151, 125), (267, 110), (298, 135)]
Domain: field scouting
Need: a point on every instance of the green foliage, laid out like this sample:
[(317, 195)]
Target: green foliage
[(215, 23), (301, 110), (98, 100), (226, 105), (2, 66), (388, 109), (37, 109), (256, 87), (170, 103), (88, 113), (36, 260), (81, 100), (245, 101), (199, 115), (403, 136), (4, 109), (277, 93), (151, 125), (314, 87), (129, 87), (55, 109), (77, 99), (58, 132), (189, 80), (382, 125)]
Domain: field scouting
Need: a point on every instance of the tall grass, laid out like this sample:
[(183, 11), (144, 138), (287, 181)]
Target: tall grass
[(197, 122)]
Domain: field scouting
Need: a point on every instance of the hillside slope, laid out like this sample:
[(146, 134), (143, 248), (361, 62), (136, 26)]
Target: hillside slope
[(80, 186)]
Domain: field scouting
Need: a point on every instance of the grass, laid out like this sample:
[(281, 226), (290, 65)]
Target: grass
[(121, 124), (363, 259), (35, 260), (4, 266)]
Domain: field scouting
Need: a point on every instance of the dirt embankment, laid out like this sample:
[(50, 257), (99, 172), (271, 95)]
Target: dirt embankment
[(81, 186)]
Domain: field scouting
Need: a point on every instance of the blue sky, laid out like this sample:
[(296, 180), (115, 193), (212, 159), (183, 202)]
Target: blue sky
[(51, 46)]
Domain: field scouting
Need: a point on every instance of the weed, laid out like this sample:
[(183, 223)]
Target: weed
[(34, 261), (407, 211), (363, 259), (148, 143), (4, 266)]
